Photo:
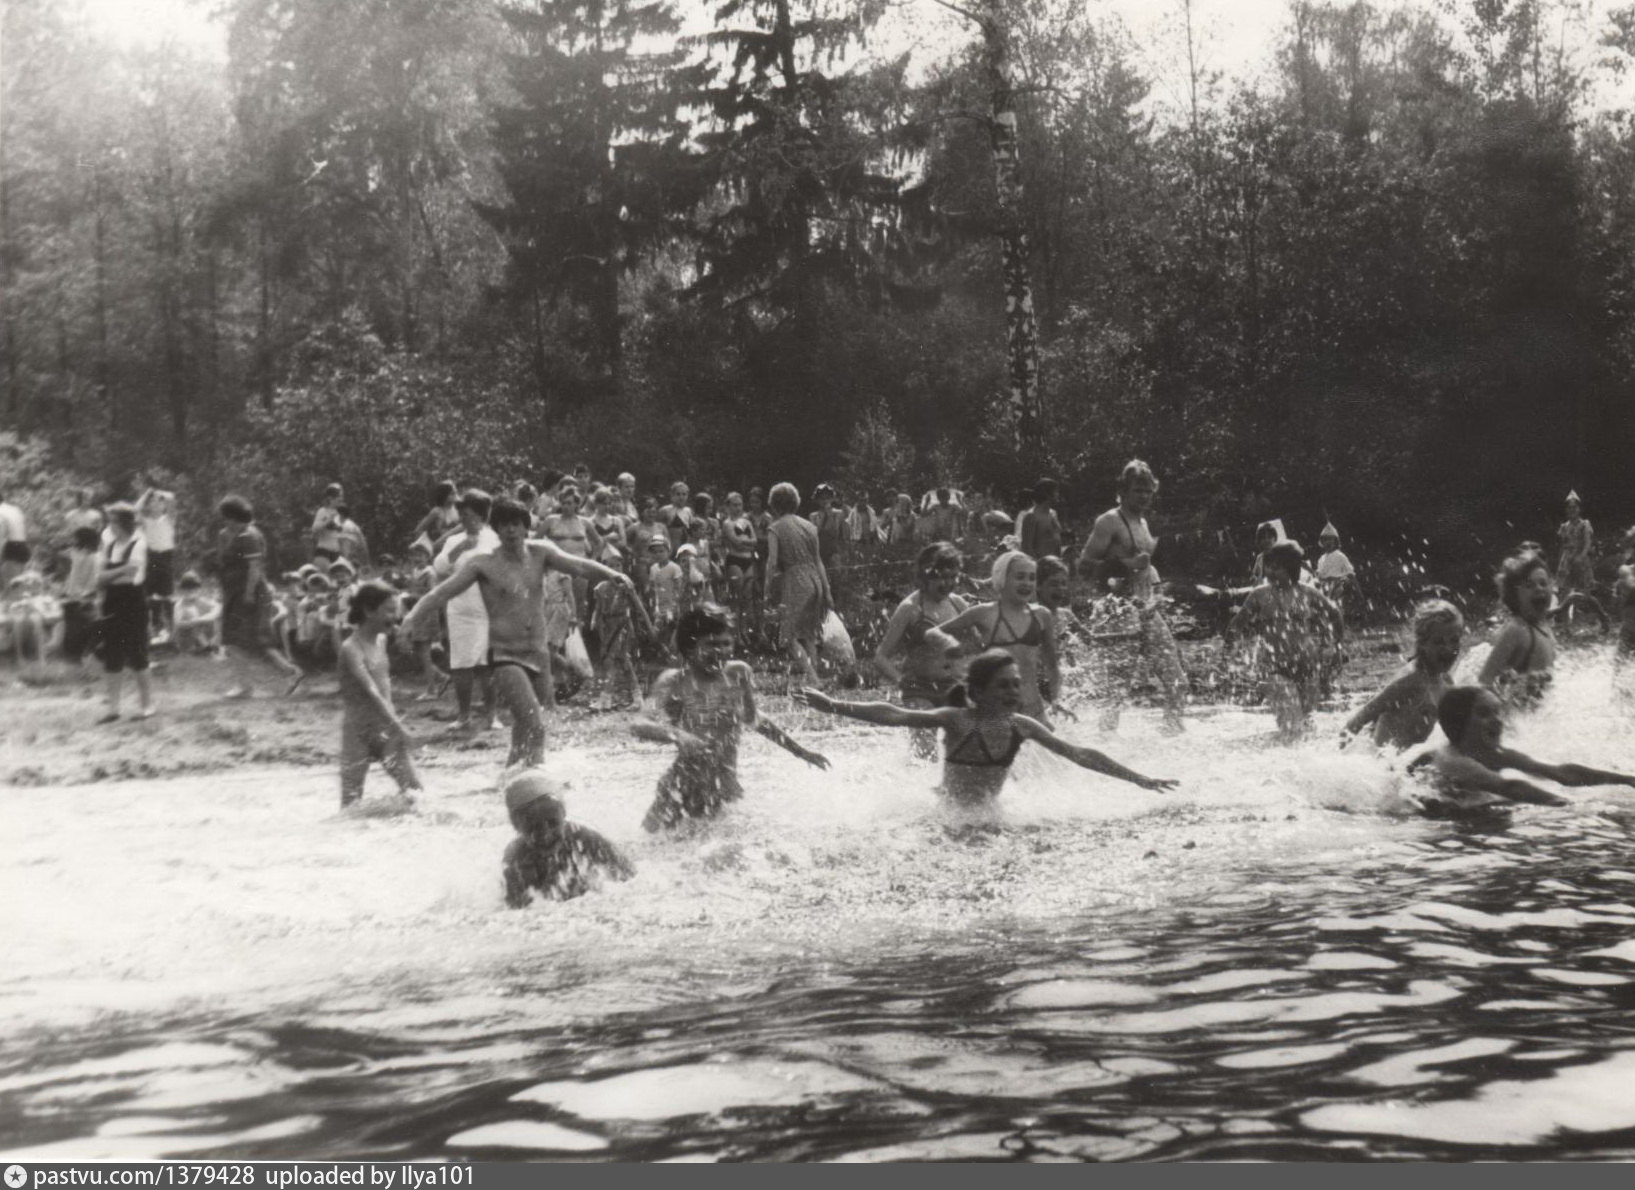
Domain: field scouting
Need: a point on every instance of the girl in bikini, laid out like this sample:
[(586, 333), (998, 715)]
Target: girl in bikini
[(913, 631), (1022, 628), (572, 534), (983, 730), (1523, 654)]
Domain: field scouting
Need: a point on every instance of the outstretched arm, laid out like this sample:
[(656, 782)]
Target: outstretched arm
[(1566, 774), (1087, 758), (1465, 773), (559, 559), (884, 714), (783, 739), (433, 600)]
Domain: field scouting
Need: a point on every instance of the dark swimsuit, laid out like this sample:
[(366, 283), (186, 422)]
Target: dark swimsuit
[(919, 688), (1526, 690), (986, 759), (1033, 636)]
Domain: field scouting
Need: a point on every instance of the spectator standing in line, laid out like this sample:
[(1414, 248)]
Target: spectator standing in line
[(156, 512)]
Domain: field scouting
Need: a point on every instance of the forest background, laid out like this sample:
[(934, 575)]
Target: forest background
[(1388, 276)]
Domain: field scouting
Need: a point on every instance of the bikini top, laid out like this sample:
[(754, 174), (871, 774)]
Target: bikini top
[(983, 757), (1033, 636)]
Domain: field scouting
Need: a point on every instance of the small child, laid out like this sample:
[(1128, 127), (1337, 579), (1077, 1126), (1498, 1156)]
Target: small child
[(1298, 626), (370, 728), (702, 708), (984, 727), (198, 617), (1468, 770), (1405, 711), (23, 618), (666, 587), (550, 856), (1336, 576), (422, 578), (613, 621), (1519, 665)]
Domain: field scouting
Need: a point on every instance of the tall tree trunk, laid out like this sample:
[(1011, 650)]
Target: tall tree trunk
[(1021, 326)]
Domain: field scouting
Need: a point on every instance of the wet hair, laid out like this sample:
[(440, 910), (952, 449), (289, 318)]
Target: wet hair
[(1049, 567), (785, 499), (1286, 556), (477, 502), (85, 538), (367, 597), (1517, 569), (1046, 489), (508, 512), (441, 491), (706, 619), (933, 556), (232, 508), (1133, 470), (979, 675), (703, 503), (1454, 710)]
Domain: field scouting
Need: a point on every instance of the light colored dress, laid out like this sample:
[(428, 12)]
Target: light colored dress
[(800, 577)]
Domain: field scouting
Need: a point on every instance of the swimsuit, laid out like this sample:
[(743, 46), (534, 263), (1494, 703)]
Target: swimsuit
[(986, 760), (1032, 637)]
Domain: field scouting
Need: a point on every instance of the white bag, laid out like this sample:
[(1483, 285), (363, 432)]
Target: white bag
[(835, 643), (578, 658)]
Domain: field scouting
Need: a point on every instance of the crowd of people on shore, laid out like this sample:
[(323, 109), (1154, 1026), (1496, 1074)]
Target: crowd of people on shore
[(510, 598)]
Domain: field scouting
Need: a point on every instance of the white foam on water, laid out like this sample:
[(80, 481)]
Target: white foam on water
[(1414, 1067), (1289, 1055), (538, 1136), (700, 1089), (1348, 960), (1594, 1098)]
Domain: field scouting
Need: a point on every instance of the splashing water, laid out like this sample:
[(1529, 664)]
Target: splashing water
[(1273, 962)]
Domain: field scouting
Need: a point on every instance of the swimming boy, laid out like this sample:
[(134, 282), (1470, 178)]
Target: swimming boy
[(702, 708), (552, 857), (1468, 770), (512, 582)]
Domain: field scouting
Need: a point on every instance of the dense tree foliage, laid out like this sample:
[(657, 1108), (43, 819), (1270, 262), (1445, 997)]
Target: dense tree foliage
[(1392, 279)]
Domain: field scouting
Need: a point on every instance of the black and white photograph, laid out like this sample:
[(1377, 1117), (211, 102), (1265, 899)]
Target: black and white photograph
[(870, 581)]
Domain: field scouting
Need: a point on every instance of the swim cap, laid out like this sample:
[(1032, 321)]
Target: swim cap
[(1002, 567), (530, 786)]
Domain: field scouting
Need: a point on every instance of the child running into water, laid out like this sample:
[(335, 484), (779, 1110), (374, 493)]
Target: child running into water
[(1014, 623), (370, 728), (1519, 665), (1468, 771), (613, 621), (983, 730), (704, 706), (512, 582), (1405, 711), (550, 856), (928, 674), (1298, 625)]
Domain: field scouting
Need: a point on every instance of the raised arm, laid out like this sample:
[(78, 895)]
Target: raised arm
[(1087, 758), (883, 714), (559, 559)]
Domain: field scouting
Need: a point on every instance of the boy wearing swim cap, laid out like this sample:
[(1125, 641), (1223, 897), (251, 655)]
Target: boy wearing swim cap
[(552, 857)]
